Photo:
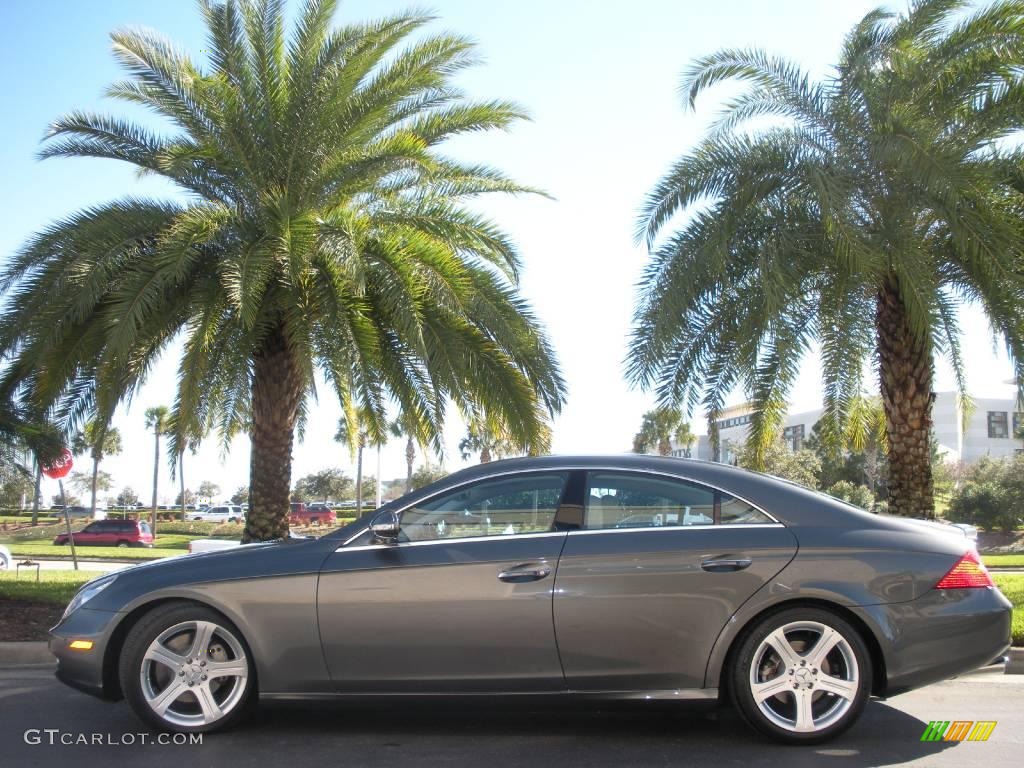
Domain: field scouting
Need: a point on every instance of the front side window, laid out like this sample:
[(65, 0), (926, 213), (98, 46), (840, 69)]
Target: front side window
[(495, 507), (997, 426), (625, 500)]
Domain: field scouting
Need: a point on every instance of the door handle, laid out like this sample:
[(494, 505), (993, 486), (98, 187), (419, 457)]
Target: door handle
[(525, 572), (724, 565)]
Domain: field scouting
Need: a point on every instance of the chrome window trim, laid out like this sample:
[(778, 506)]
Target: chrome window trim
[(467, 539), (662, 528), (582, 468)]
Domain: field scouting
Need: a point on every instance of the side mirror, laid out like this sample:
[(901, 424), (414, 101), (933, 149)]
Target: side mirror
[(385, 527)]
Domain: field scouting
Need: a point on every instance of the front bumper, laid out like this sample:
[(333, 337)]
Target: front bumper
[(942, 634), (84, 670)]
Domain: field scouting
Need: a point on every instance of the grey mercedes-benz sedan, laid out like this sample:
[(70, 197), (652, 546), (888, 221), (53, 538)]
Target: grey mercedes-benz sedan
[(604, 577)]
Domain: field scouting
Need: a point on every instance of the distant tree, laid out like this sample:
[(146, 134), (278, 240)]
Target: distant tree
[(369, 489), (157, 419), (241, 496), (98, 440), (190, 498), (71, 499), (659, 428), (427, 474), (800, 466), (208, 489), (991, 494), (127, 497), (83, 481), (327, 484)]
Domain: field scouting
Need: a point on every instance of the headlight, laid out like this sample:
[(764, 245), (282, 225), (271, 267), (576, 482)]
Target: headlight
[(87, 593)]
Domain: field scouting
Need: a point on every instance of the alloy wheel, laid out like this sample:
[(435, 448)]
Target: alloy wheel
[(804, 676), (194, 673)]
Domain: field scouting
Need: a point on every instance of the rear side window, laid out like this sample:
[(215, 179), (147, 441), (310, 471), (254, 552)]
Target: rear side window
[(630, 500)]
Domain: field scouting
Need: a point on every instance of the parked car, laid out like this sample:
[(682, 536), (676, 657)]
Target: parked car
[(793, 605), (6, 559), (111, 533), (222, 513), (73, 511), (300, 514)]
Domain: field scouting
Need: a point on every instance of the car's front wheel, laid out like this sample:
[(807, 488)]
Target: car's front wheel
[(186, 668), (802, 675)]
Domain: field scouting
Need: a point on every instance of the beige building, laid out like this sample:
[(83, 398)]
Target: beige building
[(990, 427)]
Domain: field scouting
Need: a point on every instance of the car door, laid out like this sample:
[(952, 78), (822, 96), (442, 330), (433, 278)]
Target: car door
[(89, 535), (462, 603), (649, 581)]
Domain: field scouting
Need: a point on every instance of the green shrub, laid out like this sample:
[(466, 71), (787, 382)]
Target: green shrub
[(991, 495), (851, 493)]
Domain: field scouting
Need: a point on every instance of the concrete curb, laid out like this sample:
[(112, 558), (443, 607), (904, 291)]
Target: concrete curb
[(1015, 662), (20, 654)]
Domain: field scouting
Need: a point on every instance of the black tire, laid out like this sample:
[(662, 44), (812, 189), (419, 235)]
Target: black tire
[(123, 544), (139, 638), (741, 681)]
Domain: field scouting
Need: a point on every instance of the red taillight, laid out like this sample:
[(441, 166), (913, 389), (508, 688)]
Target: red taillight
[(967, 573)]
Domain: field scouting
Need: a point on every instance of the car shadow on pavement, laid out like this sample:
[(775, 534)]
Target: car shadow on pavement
[(619, 734)]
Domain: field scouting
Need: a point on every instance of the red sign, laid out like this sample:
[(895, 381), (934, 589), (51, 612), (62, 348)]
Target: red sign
[(59, 467)]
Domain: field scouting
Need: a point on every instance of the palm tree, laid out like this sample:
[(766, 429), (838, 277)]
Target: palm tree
[(858, 217), (659, 428), (99, 440), (22, 430), (157, 420), (488, 435), (324, 229), (358, 429)]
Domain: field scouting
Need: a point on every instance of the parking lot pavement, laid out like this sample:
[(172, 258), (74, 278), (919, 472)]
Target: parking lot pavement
[(497, 735)]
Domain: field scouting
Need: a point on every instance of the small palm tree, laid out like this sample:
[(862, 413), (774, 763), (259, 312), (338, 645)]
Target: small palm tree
[(857, 217), (359, 429), (659, 428), (157, 419), (21, 431), (324, 229), (488, 435), (98, 440)]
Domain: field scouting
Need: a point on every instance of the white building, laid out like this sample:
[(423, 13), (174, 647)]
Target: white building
[(991, 425)]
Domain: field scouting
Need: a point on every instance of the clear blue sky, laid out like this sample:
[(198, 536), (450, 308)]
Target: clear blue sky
[(599, 79)]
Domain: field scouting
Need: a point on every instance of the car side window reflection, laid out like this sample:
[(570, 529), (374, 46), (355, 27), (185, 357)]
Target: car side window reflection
[(503, 506), (626, 500)]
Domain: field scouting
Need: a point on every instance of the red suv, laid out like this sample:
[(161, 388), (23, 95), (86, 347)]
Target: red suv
[(302, 515), (111, 533)]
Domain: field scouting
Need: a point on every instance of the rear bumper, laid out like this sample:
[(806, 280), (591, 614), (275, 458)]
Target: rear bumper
[(83, 669), (942, 634)]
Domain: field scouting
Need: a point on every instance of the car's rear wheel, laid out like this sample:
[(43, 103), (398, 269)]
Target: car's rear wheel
[(123, 544), (802, 675), (186, 668)]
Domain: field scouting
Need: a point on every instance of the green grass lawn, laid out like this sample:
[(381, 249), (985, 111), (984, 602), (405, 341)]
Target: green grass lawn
[(53, 587), (32, 549), (1012, 585), (1004, 561)]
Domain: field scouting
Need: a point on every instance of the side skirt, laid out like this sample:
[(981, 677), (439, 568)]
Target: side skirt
[(678, 694)]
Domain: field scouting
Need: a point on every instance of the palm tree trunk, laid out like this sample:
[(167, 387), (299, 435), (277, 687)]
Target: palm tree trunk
[(156, 474), (359, 480), (905, 373), (276, 393), (410, 459), (95, 474), (35, 497), (485, 454), (181, 481)]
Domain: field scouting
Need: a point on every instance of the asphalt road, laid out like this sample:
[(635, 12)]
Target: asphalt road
[(505, 735)]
